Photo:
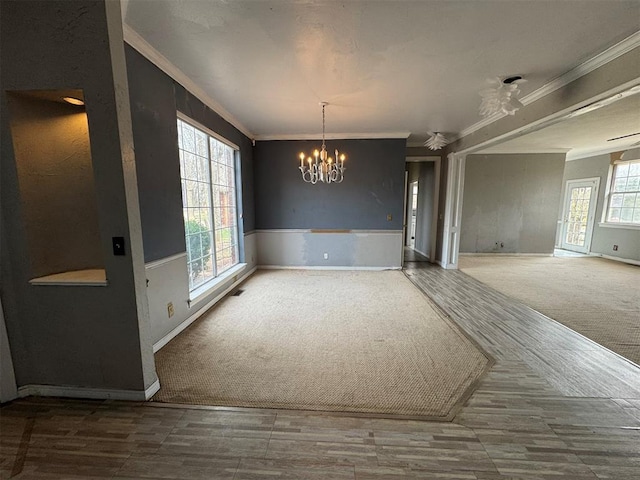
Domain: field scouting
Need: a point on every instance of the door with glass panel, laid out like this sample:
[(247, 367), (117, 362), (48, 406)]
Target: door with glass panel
[(579, 214)]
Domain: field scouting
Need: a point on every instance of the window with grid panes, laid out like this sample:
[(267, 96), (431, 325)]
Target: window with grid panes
[(624, 196), (207, 171)]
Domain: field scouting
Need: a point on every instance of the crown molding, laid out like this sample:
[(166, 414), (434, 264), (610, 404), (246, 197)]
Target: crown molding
[(334, 136), (604, 57), (146, 50)]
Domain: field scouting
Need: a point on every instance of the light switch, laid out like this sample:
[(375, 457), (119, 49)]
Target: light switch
[(389, 217)]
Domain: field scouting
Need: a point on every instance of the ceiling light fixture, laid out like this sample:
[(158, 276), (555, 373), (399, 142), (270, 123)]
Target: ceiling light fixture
[(436, 141), (322, 167), (73, 101), (501, 96)]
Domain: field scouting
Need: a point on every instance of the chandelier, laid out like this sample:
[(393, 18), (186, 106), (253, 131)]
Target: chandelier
[(322, 167)]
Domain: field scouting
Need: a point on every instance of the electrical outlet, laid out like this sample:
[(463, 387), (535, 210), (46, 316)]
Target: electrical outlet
[(170, 310), (389, 217), (326, 256), (615, 248)]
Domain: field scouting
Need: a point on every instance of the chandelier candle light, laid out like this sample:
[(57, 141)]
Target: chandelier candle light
[(322, 167)]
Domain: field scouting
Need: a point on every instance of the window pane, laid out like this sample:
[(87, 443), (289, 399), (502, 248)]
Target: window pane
[(636, 215), (633, 184), (622, 170), (616, 200), (629, 200), (188, 138), (208, 193), (614, 215), (626, 215), (634, 169), (620, 185)]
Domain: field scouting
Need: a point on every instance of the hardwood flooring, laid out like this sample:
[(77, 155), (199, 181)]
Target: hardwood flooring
[(554, 405)]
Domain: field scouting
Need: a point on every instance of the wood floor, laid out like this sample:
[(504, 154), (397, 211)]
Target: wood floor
[(553, 405)]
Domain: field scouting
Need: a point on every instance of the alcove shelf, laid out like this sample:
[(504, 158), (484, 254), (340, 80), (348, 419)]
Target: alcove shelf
[(83, 278)]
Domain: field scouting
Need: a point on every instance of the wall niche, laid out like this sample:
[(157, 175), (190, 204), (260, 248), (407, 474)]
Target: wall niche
[(56, 184)]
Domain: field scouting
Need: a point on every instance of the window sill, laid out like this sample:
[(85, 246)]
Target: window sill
[(625, 226), (205, 289), (77, 278)]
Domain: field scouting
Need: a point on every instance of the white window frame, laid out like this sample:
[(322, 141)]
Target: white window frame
[(607, 199), (198, 289)]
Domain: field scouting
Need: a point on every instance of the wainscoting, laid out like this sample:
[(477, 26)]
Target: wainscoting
[(355, 249)]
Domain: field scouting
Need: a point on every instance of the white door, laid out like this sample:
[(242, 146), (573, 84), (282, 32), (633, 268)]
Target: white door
[(579, 214)]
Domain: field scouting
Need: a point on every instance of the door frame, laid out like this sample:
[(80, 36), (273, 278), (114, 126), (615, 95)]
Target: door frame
[(436, 197), (591, 216)]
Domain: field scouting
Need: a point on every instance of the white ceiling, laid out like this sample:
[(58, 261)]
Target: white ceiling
[(384, 66)]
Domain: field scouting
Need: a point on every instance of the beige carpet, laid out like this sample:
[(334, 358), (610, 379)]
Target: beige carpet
[(318, 340), (597, 297)]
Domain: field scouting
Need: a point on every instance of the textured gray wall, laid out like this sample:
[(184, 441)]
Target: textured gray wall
[(603, 238), (53, 157), (78, 336), (155, 99), (511, 200), (373, 187)]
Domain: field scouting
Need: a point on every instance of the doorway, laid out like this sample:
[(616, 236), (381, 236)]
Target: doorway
[(413, 212), (579, 214), (421, 208)]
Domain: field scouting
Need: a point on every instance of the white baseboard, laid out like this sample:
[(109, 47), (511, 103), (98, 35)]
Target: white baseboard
[(192, 318), (92, 393), (489, 254), (302, 267), (617, 259)]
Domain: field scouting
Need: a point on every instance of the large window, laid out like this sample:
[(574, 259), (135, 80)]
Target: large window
[(207, 170), (624, 196)]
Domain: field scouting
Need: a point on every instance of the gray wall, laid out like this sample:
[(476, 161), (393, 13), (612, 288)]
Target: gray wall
[(424, 174), (79, 336), (373, 187), (511, 200), (603, 238), (57, 191), (155, 99)]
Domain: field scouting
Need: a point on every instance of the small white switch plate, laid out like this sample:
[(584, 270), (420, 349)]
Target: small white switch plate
[(326, 256)]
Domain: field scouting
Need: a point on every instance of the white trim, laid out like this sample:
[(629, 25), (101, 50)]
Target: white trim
[(453, 210), (201, 291), (176, 331), (421, 253), (498, 254), (85, 392), (622, 226), (304, 267), (145, 49), (194, 123), (164, 261), (328, 231), (584, 68), (333, 136), (618, 259)]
